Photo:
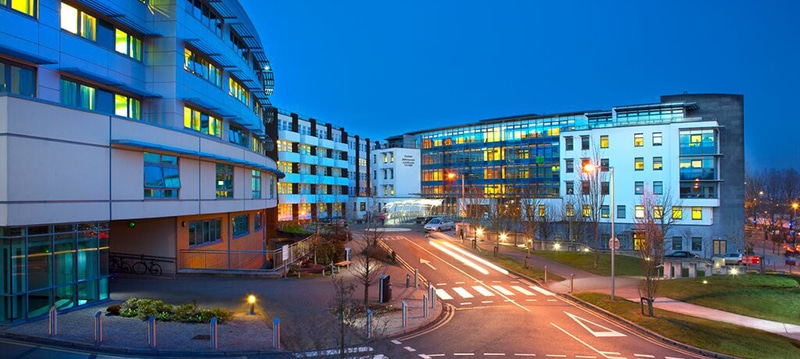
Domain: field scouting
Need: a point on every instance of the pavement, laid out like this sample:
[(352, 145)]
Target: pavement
[(299, 303)]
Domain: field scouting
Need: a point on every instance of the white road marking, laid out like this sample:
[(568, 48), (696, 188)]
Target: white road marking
[(441, 293), (410, 349), (522, 290), (503, 290), (605, 333), (524, 355), (644, 356), (586, 356), (483, 291), (541, 290), (494, 354), (464, 354), (672, 358), (396, 342), (487, 301), (430, 355), (463, 292), (459, 282), (440, 284), (552, 300), (530, 300), (577, 339), (496, 281), (466, 303), (556, 355)]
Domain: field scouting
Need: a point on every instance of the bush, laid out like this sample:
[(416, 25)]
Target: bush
[(185, 313), (113, 309)]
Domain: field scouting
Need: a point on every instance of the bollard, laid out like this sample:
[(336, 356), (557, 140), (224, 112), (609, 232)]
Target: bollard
[(408, 280), (98, 328), (545, 274), (369, 323), (276, 332), (416, 277), (52, 321), (429, 289), (214, 332), (405, 314), (433, 299), (333, 269), (151, 331), (323, 272), (424, 306), (571, 279)]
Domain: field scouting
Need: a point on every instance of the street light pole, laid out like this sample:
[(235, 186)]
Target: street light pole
[(613, 238)]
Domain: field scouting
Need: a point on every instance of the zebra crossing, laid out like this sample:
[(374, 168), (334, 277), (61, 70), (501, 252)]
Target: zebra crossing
[(517, 292)]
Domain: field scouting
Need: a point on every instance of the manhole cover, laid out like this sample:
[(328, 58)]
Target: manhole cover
[(202, 337)]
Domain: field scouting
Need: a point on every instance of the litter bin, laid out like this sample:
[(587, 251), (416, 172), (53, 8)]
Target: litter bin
[(385, 289)]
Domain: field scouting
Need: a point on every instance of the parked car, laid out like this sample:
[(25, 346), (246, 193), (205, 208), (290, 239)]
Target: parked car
[(733, 258), (440, 224), (751, 259), (681, 254)]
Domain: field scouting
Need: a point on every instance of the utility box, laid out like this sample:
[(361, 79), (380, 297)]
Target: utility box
[(384, 289)]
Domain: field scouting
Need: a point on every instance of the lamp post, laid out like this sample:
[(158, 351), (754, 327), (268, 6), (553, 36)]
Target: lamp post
[(451, 176), (591, 168), (794, 216)]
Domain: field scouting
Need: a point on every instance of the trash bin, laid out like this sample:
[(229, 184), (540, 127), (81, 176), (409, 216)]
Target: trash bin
[(385, 289)]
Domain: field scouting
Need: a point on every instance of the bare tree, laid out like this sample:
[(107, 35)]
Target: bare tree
[(653, 223), (572, 215), (367, 267), (548, 217), (531, 216), (594, 188)]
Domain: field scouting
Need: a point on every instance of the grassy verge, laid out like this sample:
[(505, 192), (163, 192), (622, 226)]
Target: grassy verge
[(771, 297), (517, 266), (706, 334), (625, 265)]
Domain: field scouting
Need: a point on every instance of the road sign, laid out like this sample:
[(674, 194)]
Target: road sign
[(614, 243)]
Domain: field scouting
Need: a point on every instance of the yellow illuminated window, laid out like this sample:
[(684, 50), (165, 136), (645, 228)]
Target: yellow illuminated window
[(658, 212), (88, 26), (570, 211), (639, 163), (69, 18), (657, 164), (121, 44), (24, 6), (697, 213), (587, 210), (638, 140), (677, 213), (541, 210), (604, 141)]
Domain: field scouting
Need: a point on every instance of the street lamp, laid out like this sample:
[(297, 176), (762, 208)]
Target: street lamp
[(591, 168), (451, 176)]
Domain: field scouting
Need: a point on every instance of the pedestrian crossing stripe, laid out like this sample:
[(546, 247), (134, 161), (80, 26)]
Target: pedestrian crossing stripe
[(463, 292), (502, 290), (483, 291), (541, 290), (522, 290), (441, 293)]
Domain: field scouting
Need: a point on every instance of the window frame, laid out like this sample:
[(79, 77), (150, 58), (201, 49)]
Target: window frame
[(697, 213), (603, 141), (164, 164), (224, 181), (255, 184), (638, 163), (658, 139), (240, 228), (638, 140)]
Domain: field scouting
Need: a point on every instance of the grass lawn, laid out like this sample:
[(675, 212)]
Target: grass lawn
[(772, 297), (517, 266), (625, 265), (715, 336)]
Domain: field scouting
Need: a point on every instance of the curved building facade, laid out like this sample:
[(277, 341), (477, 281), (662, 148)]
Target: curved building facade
[(128, 128)]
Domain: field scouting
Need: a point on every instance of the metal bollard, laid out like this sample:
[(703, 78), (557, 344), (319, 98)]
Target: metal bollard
[(408, 280), (369, 323), (424, 306), (151, 331), (214, 333), (98, 327), (433, 299), (416, 277), (276, 332), (405, 314), (571, 282), (52, 321), (545, 274), (429, 289)]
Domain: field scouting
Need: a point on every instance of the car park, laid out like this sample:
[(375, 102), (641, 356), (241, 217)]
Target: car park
[(440, 224)]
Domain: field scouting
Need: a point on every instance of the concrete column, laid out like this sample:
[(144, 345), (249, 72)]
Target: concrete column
[(692, 270), (709, 268), (677, 268), (667, 270)]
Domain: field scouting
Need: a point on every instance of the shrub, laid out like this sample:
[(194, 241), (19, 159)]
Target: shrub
[(185, 313), (113, 309)]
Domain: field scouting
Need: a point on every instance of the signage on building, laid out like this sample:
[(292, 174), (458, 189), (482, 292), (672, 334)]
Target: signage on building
[(408, 160)]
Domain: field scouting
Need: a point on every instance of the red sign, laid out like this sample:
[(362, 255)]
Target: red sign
[(791, 261)]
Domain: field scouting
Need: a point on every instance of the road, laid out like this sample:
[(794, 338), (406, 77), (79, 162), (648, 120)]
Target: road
[(497, 314)]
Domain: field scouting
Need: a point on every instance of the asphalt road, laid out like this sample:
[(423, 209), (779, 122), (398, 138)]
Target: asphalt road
[(500, 315)]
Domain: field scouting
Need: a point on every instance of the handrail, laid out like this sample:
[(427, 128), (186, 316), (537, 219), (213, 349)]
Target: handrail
[(142, 257), (244, 260)]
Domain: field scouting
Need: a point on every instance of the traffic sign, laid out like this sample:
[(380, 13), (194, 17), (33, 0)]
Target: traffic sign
[(613, 243)]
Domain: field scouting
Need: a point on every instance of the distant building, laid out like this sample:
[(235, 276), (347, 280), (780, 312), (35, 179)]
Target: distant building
[(395, 174), (689, 148), (128, 128)]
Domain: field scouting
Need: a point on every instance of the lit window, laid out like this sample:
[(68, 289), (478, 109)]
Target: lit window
[(78, 95), (27, 7), (638, 187), (128, 44), (587, 210), (238, 91), (657, 164), (658, 212), (127, 107), (202, 122), (224, 181), (604, 141), (677, 212), (570, 210), (161, 176), (78, 22), (69, 18), (697, 213), (638, 163), (541, 210), (638, 140), (605, 211), (657, 139), (639, 212)]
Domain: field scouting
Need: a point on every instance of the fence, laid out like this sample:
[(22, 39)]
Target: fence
[(248, 260)]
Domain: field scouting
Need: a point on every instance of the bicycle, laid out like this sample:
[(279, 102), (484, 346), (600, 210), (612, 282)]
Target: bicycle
[(118, 264), (147, 265)]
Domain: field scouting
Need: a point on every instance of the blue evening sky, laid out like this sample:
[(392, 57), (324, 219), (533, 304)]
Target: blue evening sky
[(382, 68)]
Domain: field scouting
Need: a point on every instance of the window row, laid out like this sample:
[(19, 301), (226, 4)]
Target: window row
[(27, 7), (210, 230), (201, 66), (89, 97), (203, 12), (88, 26), (17, 79), (639, 212)]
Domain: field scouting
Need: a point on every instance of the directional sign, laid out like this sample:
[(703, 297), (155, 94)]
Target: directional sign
[(595, 329), (427, 262)]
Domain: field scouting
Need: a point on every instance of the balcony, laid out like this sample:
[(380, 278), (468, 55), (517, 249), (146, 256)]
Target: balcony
[(289, 136), (323, 143), (340, 146), (289, 157), (327, 162), (340, 163), (309, 140)]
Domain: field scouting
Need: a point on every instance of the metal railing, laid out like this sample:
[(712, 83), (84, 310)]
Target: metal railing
[(244, 260)]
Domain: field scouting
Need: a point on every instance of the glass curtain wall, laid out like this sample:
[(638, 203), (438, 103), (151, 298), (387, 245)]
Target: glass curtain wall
[(64, 265)]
